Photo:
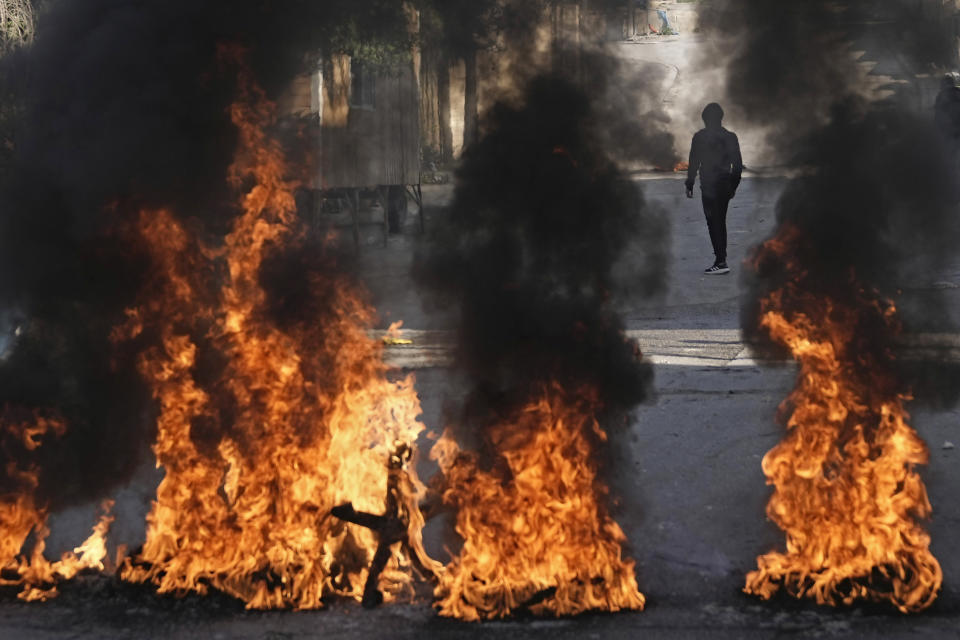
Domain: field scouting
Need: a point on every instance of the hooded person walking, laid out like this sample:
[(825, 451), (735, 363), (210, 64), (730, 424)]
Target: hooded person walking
[(715, 153)]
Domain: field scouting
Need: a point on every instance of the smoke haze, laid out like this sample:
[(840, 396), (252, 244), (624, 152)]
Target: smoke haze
[(541, 214), (125, 108), (875, 202)]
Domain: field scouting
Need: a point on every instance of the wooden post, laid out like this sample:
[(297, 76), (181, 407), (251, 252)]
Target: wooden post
[(417, 194)]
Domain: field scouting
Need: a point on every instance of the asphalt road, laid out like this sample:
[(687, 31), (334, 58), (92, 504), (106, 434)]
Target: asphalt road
[(687, 474)]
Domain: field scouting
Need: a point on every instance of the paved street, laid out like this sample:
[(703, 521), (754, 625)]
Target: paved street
[(691, 299), (686, 473), (687, 476)]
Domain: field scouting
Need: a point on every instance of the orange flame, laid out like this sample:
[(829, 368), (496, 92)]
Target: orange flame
[(846, 490), (19, 512), (20, 515), (301, 419), (40, 576), (536, 534)]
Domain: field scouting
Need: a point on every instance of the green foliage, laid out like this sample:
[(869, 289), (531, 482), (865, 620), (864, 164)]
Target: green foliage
[(459, 26), (374, 31), (17, 23)]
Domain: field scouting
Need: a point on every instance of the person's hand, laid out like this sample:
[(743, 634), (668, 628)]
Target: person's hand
[(689, 192)]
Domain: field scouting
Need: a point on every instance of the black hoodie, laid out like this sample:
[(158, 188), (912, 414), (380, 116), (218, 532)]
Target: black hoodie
[(715, 152)]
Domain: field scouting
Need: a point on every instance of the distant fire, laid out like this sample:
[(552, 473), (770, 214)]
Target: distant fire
[(263, 430), (847, 493), (678, 167), (537, 537)]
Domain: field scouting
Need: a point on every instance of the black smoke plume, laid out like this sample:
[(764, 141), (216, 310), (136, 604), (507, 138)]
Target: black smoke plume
[(635, 128), (540, 216), (124, 106), (783, 63), (874, 207)]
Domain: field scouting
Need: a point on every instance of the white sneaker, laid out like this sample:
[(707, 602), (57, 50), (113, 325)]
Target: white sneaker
[(717, 269)]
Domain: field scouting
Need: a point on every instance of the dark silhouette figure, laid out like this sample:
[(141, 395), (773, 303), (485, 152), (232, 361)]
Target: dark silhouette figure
[(391, 527), (715, 153)]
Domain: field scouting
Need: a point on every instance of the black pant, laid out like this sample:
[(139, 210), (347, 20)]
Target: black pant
[(715, 210)]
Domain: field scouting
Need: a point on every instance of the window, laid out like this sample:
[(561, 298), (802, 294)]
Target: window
[(363, 87)]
